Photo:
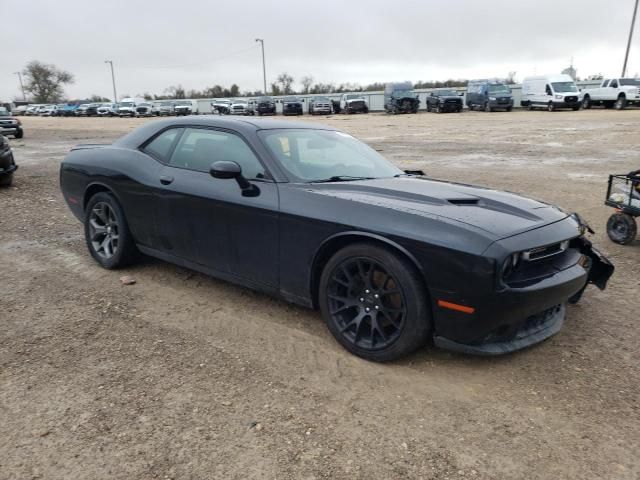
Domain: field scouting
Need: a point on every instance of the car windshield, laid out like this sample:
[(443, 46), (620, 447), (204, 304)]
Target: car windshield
[(264, 99), (564, 87), (145, 105), (310, 155), (447, 93), (126, 104), (354, 97), (4, 111), (321, 100), (291, 99), (183, 104), (403, 93), (166, 104), (240, 101), (634, 82), (499, 89)]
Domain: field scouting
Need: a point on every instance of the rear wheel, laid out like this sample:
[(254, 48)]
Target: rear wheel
[(107, 233), (374, 302), (622, 228), (530, 107), (621, 103), (487, 107)]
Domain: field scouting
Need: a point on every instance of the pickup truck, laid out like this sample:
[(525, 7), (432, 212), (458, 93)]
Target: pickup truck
[(613, 92)]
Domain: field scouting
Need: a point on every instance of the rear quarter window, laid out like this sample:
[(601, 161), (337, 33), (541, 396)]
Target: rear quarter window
[(161, 146)]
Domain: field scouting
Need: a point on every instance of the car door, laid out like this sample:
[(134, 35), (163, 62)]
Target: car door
[(209, 221)]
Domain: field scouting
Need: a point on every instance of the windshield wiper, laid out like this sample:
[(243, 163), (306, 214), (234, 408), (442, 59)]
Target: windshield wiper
[(341, 178)]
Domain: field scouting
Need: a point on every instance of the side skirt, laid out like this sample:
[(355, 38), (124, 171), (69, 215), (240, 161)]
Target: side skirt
[(227, 277)]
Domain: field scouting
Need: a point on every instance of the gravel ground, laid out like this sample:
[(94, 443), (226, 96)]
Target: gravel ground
[(183, 376)]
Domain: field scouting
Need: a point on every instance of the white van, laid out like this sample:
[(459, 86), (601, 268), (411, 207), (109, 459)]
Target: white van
[(550, 92)]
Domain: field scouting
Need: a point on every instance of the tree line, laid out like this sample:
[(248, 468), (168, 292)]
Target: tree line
[(45, 84)]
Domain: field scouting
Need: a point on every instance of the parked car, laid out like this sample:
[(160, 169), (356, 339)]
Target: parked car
[(165, 108), (144, 109), (353, 103), (92, 109), (613, 92), (550, 92), (69, 110), (32, 110), (10, 125), (81, 111), (42, 109), (221, 106), (444, 101), (239, 106), (292, 106), (127, 106), (48, 111), (320, 106), (264, 105), (186, 107), (380, 252), (7, 162), (20, 110), (400, 98), (489, 95), (108, 110)]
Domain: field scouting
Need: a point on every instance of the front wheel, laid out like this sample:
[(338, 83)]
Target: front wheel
[(374, 302), (19, 134), (586, 103), (622, 228), (107, 233), (551, 107), (621, 103), (487, 107), (6, 180)]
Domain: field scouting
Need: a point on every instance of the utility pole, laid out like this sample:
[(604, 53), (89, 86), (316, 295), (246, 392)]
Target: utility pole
[(264, 68), (113, 79), (24, 97), (633, 24)]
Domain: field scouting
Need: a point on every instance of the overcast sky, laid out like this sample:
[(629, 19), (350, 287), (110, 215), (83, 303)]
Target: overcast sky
[(200, 43)]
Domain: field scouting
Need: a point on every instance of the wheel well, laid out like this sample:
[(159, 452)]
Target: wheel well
[(587, 95), (91, 191), (329, 248), (622, 95)]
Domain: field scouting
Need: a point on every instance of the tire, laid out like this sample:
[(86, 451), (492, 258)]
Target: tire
[(621, 103), (551, 107), (487, 107), (438, 109), (509, 109), (6, 181), (352, 302), (575, 108), (622, 228), (530, 107), (19, 134), (366, 110), (105, 219), (586, 102)]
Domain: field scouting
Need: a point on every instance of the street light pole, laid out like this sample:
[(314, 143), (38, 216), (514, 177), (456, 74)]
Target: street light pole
[(264, 68), (24, 97), (113, 79), (633, 24)]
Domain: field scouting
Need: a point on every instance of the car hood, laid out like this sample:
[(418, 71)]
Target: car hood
[(499, 214)]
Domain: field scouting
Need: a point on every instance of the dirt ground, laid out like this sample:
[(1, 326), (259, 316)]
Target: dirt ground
[(186, 377)]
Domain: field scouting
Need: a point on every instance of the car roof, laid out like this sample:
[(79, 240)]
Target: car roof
[(241, 125)]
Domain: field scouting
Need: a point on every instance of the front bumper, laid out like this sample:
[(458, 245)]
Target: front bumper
[(7, 164), (10, 129), (523, 313)]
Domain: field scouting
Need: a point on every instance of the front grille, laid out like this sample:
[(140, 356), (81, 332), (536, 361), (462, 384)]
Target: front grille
[(571, 99), (543, 252), (452, 100), (503, 100)]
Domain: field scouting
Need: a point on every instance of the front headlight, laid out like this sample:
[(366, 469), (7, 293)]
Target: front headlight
[(559, 97), (510, 264)]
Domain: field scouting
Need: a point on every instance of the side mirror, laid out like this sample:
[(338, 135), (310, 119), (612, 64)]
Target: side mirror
[(226, 170)]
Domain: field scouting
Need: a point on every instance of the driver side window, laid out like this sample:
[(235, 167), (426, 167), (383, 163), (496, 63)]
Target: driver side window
[(614, 84), (199, 148)]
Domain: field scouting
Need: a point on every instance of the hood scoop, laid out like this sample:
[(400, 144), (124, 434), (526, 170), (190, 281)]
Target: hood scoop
[(464, 201)]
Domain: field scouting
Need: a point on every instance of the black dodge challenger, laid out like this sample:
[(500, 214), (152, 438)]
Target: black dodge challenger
[(392, 259)]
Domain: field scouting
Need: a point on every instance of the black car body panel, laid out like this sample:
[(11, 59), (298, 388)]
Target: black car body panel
[(444, 101), (265, 106), (7, 163), (459, 237)]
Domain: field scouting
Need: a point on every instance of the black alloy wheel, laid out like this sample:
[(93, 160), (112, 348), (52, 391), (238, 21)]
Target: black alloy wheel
[(107, 233), (374, 303)]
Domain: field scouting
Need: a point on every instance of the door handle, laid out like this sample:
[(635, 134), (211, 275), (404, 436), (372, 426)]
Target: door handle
[(166, 180)]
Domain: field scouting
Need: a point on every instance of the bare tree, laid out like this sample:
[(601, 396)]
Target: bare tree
[(306, 82), (175, 91), (44, 82), (285, 80)]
